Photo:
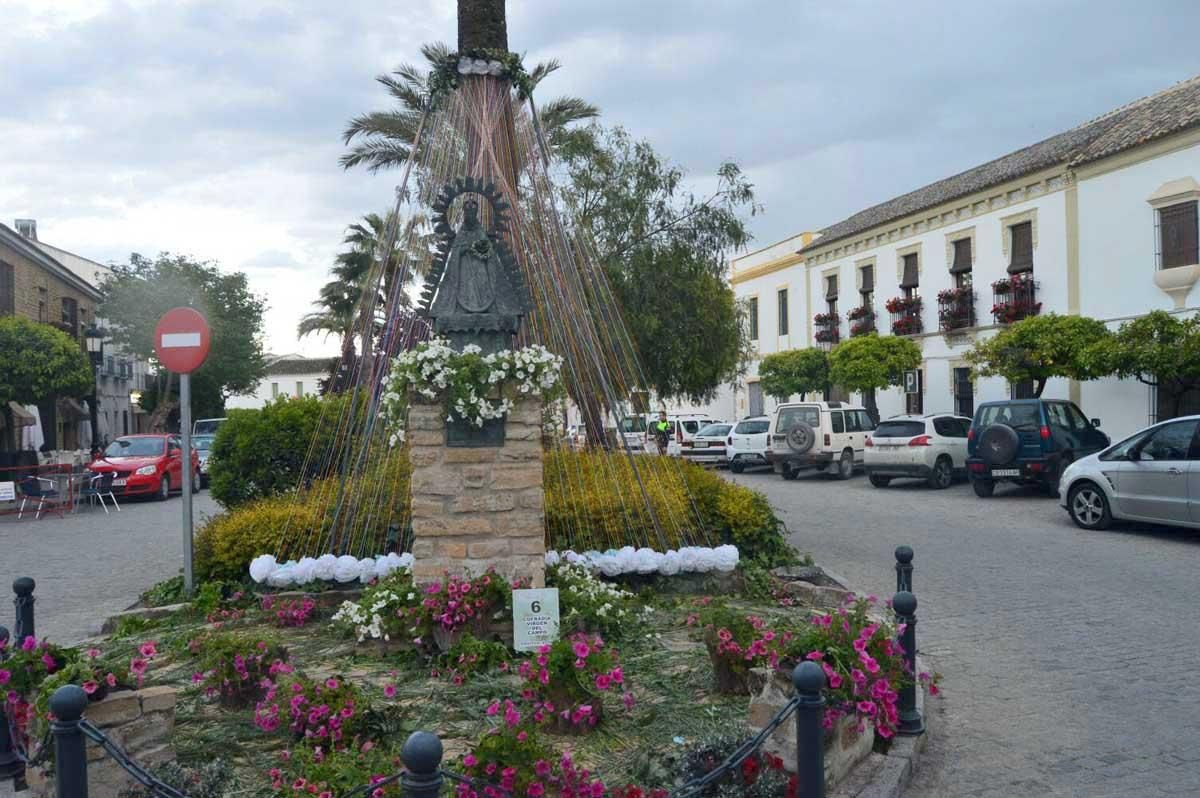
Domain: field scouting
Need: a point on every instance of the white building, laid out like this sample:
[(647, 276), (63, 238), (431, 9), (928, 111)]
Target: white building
[(287, 375), (1100, 220)]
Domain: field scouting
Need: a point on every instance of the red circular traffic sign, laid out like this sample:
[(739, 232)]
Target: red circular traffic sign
[(181, 340)]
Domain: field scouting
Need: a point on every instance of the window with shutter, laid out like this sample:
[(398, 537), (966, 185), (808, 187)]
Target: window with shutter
[(910, 278), (70, 315), (1021, 251), (1177, 235), (8, 289), (868, 279), (782, 298), (831, 288), (962, 257), (753, 318)]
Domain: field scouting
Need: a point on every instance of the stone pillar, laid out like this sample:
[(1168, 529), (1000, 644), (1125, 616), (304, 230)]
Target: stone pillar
[(481, 506)]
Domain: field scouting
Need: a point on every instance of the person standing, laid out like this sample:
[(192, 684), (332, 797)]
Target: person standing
[(662, 431)]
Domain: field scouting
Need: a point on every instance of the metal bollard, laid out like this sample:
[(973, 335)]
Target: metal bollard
[(23, 588), (905, 605), (70, 746), (10, 764), (809, 680), (904, 568), (422, 756)]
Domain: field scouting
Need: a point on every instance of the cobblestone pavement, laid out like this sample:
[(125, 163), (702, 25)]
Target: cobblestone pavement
[(90, 565), (1068, 657)]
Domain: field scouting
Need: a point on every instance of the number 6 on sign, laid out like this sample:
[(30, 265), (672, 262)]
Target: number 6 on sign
[(535, 618)]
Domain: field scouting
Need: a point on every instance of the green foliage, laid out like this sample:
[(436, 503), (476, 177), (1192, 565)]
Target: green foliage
[(227, 542), (38, 362), (209, 780), (471, 656), (261, 453), (867, 362), (1157, 349), (741, 516), (168, 591), (588, 604), (664, 251), (139, 293), (334, 772), (1040, 347), (235, 665), (794, 371)]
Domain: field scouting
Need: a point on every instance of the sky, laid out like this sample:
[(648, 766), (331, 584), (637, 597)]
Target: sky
[(213, 127)]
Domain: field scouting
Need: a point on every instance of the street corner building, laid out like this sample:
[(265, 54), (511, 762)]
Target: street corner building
[(1100, 221)]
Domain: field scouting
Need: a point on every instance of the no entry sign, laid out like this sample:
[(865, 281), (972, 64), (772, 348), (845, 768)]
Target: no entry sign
[(181, 340)]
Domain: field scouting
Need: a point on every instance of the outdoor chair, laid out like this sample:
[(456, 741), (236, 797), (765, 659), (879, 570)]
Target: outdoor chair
[(98, 487), (41, 490)]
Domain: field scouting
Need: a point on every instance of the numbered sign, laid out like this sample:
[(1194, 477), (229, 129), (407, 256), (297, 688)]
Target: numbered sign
[(535, 618), (8, 491)]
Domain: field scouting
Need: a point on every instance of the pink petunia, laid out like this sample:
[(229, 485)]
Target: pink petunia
[(92, 653), (148, 649), (90, 687), (332, 684), (138, 666), (581, 649), (603, 682), (470, 761), (389, 691), (29, 643), (5, 676), (48, 661)]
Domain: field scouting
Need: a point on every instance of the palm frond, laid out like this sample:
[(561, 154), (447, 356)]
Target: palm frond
[(542, 69), (560, 112), (375, 153)]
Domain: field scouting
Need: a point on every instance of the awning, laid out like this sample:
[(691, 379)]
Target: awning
[(70, 407), (20, 416)]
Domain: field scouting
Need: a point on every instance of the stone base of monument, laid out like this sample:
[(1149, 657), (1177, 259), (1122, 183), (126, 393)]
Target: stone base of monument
[(477, 507)]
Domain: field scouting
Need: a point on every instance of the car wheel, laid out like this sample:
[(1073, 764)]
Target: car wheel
[(879, 480), (195, 483), (942, 475), (164, 489), (1088, 506), (846, 465), (737, 466), (983, 487), (789, 473)]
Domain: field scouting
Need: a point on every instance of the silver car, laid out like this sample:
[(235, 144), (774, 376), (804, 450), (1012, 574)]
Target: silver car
[(1148, 477), (203, 446)]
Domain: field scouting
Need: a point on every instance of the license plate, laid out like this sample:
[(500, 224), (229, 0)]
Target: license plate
[(1006, 472), (701, 444), (119, 483)]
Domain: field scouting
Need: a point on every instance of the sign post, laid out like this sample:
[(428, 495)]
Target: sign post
[(181, 341)]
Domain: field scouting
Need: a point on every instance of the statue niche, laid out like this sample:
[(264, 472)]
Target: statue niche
[(474, 293)]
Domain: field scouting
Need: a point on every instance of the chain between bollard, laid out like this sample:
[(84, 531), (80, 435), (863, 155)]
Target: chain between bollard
[(127, 763)]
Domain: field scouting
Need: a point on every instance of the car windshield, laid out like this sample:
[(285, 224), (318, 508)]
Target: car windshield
[(900, 429), (751, 427), (714, 431), (135, 447), (791, 416), (1017, 416), (202, 442), (633, 424)]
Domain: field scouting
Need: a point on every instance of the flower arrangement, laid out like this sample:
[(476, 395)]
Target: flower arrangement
[(956, 308), (289, 612), (591, 605), (903, 304), (446, 75), (957, 294), (566, 682), (860, 312), (906, 325), (471, 656), (512, 760), (475, 387), (326, 568), (381, 611), (826, 319), (236, 669), (737, 643), (1013, 284), (628, 560), (1015, 310), (324, 713)]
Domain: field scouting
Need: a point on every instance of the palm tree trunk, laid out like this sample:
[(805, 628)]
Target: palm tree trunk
[(482, 25)]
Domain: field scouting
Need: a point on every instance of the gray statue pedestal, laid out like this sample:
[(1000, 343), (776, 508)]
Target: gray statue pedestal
[(478, 507)]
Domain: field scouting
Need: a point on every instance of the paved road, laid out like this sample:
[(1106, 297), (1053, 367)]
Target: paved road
[(1069, 657), (90, 565)]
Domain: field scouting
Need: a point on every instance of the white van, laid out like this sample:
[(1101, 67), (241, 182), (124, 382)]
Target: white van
[(683, 427), (828, 436)]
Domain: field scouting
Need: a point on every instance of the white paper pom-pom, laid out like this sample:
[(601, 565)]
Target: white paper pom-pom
[(646, 561), (670, 564), (366, 569), (262, 566), (304, 570), (608, 564), (325, 567), (727, 558), (552, 558), (405, 560), (687, 560), (347, 568), (283, 576)]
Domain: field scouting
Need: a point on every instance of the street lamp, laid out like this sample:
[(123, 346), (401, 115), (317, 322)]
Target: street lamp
[(94, 337)]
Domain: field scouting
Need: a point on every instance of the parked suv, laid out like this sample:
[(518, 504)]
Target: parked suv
[(1028, 441), (747, 444), (932, 447), (821, 435)]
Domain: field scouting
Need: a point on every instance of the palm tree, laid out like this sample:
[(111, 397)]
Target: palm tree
[(383, 139)]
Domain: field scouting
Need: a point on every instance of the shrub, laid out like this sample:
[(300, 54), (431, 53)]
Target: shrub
[(327, 713), (236, 668), (591, 605), (568, 680)]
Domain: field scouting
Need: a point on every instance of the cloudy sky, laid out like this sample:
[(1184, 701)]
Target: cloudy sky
[(212, 127)]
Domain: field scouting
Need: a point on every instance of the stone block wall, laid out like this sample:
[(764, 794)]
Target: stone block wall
[(140, 721), (477, 507)]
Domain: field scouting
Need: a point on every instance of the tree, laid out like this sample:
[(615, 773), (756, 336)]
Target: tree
[(871, 362), (38, 362), (664, 253), (794, 371), (1158, 349), (1040, 347), (139, 293), (384, 139)]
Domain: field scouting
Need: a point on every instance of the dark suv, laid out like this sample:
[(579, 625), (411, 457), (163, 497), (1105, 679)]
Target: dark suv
[(1028, 441)]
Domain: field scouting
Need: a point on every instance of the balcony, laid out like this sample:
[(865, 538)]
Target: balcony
[(862, 320), (828, 328), (906, 314), (956, 308), (1015, 298)]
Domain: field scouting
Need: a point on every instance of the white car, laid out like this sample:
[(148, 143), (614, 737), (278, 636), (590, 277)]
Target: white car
[(931, 447), (707, 446), (681, 428), (1150, 476), (633, 430), (747, 444), (827, 436)]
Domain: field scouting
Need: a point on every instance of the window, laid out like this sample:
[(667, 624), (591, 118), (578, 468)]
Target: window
[(1169, 405), (865, 423), (914, 403), (43, 315), (866, 289), (70, 315), (961, 267), (8, 289), (1170, 442), (125, 422), (852, 422), (899, 429), (299, 389), (836, 421), (753, 318), (1021, 252), (274, 390), (945, 427), (831, 293), (1177, 235), (964, 392), (910, 279), (1056, 414), (751, 427), (782, 299), (1022, 390), (755, 392), (791, 416)]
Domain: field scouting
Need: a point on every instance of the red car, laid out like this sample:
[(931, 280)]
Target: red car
[(146, 465)]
